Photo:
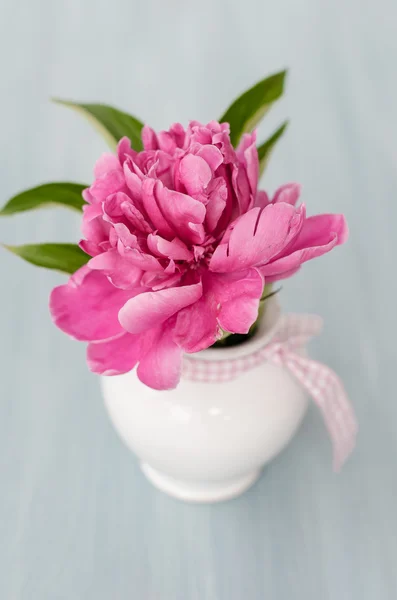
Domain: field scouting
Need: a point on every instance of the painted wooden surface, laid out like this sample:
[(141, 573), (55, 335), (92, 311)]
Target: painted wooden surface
[(77, 519)]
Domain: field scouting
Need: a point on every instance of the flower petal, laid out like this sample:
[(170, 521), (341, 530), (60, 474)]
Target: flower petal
[(87, 306), (87, 196), (318, 236), (222, 140), (242, 188), (153, 211), (124, 150), (174, 249), (90, 248), (184, 214), (135, 217), (151, 309), (149, 138), (94, 228), (123, 238), (288, 193), (194, 173), (229, 301), (115, 356), (108, 184), (262, 199), (212, 156), (133, 183), (128, 247), (247, 153), (162, 168), (160, 368), (318, 230), (120, 208), (257, 236), (158, 281), (178, 132), (121, 272), (105, 163), (238, 295), (217, 191), (142, 260), (166, 142), (196, 326)]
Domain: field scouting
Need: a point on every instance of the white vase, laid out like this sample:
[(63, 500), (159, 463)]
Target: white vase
[(208, 441)]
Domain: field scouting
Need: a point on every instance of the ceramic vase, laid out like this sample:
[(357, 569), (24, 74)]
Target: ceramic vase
[(207, 441)]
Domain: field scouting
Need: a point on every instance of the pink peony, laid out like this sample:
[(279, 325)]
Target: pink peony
[(181, 244)]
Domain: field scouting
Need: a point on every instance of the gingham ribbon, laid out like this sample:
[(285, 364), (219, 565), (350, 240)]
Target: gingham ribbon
[(292, 333)]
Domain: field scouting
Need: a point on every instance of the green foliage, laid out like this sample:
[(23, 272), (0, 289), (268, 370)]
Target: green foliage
[(248, 109), (61, 194), (112, 123), (61, 257), (266, 149)]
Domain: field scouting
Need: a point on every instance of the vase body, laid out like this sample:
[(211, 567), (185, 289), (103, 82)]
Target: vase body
[(208, 441)]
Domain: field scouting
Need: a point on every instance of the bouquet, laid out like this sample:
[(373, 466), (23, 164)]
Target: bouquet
[(179, 247)]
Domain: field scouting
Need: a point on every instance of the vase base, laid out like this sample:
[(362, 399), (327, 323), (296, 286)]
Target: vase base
[(208, 492)]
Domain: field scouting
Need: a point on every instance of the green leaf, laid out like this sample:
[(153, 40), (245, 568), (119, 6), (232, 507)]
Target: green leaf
[(112, 123), (63, 194), (265, 150), (61, 257), (248, 110)]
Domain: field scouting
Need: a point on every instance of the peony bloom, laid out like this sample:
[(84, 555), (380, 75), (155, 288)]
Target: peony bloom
[(181, 244)]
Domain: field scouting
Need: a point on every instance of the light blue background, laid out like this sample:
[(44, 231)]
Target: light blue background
[(77, 519)]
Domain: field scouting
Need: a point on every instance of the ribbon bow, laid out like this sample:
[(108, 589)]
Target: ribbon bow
[(292, 333)]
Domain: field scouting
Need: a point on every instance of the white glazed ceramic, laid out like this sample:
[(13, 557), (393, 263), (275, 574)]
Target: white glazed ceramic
[(207, 442)]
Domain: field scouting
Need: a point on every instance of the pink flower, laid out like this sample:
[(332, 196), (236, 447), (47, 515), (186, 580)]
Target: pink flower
[(181, 243)]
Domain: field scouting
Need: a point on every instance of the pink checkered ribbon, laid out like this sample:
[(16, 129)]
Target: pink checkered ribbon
[(284, 349)]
